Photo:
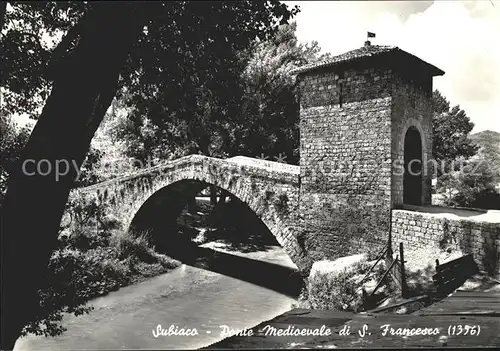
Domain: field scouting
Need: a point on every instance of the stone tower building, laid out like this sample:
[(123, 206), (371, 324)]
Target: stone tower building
[(364, 116)]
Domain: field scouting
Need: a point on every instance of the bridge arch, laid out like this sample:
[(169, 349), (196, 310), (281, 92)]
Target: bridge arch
[(270, 192), (158, 214)]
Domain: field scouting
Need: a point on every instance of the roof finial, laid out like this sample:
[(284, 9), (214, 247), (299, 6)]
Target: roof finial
[(368, 36)]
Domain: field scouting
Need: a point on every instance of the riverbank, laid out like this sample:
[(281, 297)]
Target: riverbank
[(187, 296)]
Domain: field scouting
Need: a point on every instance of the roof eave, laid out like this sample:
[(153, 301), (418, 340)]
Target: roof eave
[(433, 70), (298, 71)]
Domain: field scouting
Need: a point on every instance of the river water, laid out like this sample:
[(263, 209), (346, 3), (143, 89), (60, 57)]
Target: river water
[(188, 297)]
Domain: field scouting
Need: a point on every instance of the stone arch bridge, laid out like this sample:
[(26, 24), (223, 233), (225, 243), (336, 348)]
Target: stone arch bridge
[(269, 189)]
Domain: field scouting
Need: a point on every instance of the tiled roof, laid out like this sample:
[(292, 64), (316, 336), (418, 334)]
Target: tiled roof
[(364, 51)]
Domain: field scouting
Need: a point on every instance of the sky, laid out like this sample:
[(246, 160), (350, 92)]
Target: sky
[(460, 37)]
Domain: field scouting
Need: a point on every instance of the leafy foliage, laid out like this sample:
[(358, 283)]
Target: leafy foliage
[(210, 93), (12, 141), (27, 53), (451, 129), (88, 174), (471, 186), (181, 37), (270, 108), (489, 149), (470, 182), (253, 110)]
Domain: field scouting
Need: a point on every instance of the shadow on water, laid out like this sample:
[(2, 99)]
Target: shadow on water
[(284, 280), (232, 224)]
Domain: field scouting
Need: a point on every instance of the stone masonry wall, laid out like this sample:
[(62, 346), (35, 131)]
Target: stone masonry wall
[(359, 83), (418, 230), (345, 163)]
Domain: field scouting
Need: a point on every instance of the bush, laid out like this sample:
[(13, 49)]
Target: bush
[(12, 142), (333, 292), (473, 186), (342, 291), (138, 247), (89, 265), (84, 240)]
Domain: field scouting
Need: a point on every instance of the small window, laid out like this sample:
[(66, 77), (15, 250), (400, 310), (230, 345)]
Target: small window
[(340, 94)]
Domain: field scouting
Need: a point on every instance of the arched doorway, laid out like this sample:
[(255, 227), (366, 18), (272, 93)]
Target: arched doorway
[(412, 180)]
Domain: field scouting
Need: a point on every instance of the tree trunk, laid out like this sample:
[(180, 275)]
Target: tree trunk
[(81, 93)]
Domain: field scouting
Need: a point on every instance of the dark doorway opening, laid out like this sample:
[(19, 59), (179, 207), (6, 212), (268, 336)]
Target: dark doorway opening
[(227, 237), (412, 180)]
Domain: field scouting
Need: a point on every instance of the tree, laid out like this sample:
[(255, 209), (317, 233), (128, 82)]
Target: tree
[(451, 130), (489, 144), (254, 111), (84, 85), (471, 186), (269, 122), (84, 71), (203, 44)]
